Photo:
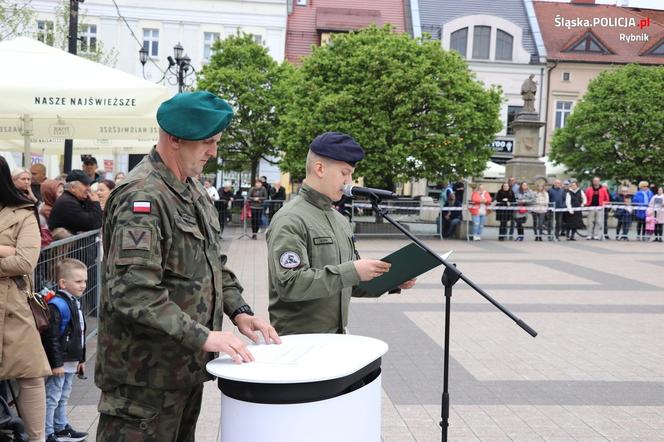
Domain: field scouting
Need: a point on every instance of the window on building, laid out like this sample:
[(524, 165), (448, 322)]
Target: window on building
[(658, 49), (208, 41), (589, 43), (301, 2), (45, 32), (511, 115), (88, 38), (151, 41), (566, 76), (504, 43), (258, 38), (459, 41), (481, 41), (563, 109)]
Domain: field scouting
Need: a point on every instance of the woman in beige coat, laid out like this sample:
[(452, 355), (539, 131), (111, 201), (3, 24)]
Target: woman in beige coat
[(22, 356)]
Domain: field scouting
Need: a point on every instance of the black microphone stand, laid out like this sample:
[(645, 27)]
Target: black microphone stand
[(450, 277)]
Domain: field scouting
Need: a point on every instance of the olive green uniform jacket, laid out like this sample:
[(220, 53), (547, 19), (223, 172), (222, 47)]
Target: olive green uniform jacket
[(165, 281), (310, 262)]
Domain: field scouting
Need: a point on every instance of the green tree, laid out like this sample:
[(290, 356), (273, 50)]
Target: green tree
[(242, 72), (617, 130), (14, 17), (414, 107)]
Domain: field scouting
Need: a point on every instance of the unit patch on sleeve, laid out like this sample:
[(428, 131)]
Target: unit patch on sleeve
[(136, 238), (289, 260)]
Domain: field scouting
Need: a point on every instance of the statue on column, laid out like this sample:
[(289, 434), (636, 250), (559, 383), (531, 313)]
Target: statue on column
[(528, 91)]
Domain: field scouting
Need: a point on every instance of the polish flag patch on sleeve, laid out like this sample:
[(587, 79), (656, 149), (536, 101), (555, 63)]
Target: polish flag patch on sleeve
[(140, 207)]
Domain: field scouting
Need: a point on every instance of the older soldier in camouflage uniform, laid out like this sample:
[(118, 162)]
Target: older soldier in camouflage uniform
[(313, 266), (166, 284)]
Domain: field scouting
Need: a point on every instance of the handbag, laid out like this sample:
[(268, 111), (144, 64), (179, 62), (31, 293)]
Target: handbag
[(37, 304)]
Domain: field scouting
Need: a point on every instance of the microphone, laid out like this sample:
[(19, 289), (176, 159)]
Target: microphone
[(354, 191)]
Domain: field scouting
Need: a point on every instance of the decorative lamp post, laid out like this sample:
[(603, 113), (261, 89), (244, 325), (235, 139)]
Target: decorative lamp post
[(179, 70)]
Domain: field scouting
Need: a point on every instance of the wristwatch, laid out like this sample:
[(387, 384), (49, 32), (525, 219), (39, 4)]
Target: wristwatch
[(242, 309)]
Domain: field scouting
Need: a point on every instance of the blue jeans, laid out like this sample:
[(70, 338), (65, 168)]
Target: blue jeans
[(478, 224), (58, 389)]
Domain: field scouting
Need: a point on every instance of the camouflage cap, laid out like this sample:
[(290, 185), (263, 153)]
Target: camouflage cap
[(194, 115)]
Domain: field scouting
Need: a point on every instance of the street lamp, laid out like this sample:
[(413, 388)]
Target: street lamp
[(179, 70)]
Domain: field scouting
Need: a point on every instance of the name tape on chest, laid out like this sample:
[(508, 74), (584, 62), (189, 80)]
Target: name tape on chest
[(141, 207), (289, 260)]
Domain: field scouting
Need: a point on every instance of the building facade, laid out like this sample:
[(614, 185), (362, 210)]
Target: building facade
[(583, 39), (312, 22), (126, 26), (500, 42)]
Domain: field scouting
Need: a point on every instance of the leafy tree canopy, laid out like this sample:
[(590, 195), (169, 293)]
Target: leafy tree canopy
[(617, 130), (243, 72), (414, 107)]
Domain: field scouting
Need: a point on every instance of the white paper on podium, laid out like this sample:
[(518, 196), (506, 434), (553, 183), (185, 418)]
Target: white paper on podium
[(302, 358)]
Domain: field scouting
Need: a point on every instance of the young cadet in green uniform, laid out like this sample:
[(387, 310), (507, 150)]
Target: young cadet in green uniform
[(166, 286), (313, 265)]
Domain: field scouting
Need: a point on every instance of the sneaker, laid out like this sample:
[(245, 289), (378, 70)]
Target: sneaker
[(597, 238), (70, 435), (476, 238), (52, 438)]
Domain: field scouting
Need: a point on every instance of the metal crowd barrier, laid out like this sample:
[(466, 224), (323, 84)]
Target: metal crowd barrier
[(418, 216), (423, 219), (85, 247), (231, 211)]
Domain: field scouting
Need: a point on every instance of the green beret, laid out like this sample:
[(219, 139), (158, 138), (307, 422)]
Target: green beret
[(194, 115)]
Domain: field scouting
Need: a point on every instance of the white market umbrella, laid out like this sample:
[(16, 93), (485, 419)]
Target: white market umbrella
[(554, 170), (494, 170), (53, 95)]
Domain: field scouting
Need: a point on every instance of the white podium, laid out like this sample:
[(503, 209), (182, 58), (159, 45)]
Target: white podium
[(321, 387)]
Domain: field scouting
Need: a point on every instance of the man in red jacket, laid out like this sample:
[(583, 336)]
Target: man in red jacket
[(597, 196)]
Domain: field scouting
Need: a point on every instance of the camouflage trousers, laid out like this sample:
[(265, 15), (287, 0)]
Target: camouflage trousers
[(138, 414)]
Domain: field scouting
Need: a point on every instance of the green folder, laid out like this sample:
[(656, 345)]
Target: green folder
[(407, 263)]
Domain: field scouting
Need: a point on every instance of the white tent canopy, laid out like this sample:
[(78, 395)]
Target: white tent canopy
[(494, 170), (53, 95)]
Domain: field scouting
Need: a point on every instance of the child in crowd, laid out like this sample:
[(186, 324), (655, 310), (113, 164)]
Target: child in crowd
[(65, 347), (651, 221), (624, 216)]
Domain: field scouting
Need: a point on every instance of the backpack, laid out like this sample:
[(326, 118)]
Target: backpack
[(65, 312)]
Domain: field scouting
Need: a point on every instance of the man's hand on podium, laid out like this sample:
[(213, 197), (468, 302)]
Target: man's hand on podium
[(249, 325), (227, 342), (369, 269)]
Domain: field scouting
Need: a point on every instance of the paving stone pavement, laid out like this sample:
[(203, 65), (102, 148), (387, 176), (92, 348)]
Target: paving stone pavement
[(595, 372)]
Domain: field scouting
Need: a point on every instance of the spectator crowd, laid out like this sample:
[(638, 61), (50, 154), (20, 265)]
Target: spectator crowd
[(561, 211)]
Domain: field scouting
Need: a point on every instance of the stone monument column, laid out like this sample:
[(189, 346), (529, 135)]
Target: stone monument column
[(525, 165)]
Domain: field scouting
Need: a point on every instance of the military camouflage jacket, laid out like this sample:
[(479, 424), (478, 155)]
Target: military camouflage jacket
[(310, 261), (163, 279)]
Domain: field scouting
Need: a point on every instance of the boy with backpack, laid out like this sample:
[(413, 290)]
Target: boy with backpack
[(64, 343)]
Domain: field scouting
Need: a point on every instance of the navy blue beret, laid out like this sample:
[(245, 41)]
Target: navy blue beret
[(338, 146), (194, 115)]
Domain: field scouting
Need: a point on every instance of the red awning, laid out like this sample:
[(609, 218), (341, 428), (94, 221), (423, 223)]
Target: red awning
[(346, 19)]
